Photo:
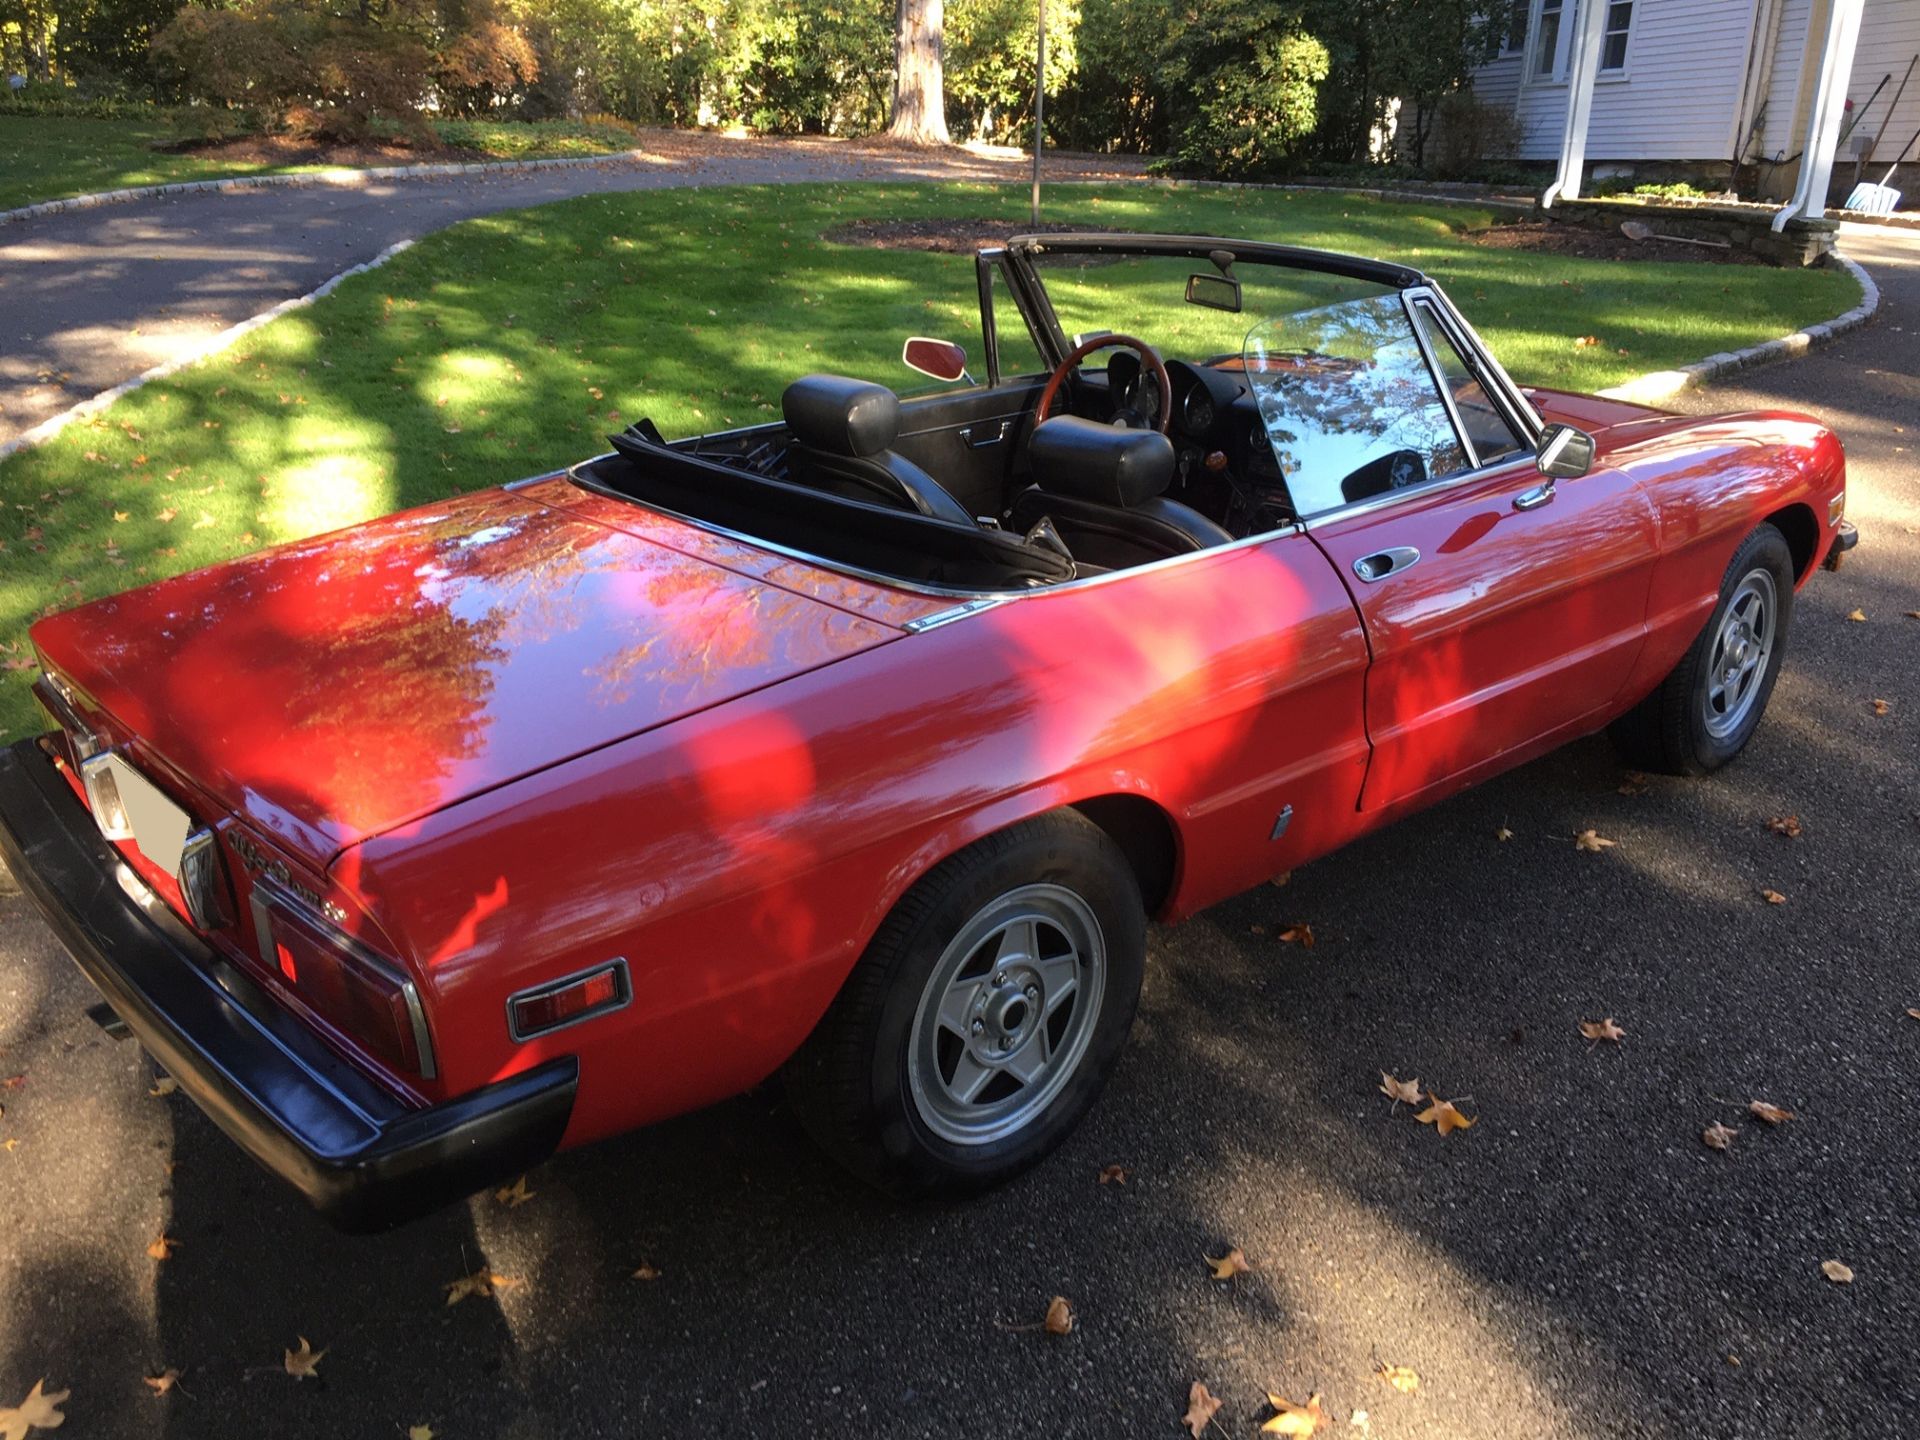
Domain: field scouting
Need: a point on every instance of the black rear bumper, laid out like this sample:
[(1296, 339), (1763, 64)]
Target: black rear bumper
[(363, 1158)]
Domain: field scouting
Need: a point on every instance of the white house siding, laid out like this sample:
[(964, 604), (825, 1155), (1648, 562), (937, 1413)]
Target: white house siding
[(1889, 37), (1675, 100)]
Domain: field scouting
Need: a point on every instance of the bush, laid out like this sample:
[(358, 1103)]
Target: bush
[(1473, 138), (989, 65), (340, 76), (1261, 79)]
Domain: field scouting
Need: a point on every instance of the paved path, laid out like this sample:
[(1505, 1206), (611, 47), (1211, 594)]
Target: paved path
[(1577, 1265), (89, 298)]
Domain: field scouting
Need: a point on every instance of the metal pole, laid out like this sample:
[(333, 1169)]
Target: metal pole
[(1039, 107)]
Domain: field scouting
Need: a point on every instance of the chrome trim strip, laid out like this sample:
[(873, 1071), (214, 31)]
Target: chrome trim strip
[(958, 612), (1408, 302), (617, 965)]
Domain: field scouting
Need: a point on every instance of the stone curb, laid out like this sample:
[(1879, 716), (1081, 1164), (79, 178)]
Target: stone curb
[(1659, 386), (344, 178), (214, 344)]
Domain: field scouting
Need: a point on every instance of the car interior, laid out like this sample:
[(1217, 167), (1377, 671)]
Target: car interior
[(1037, 480)]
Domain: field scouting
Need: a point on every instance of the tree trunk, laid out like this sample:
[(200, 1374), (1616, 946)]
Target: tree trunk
[(919, 88)]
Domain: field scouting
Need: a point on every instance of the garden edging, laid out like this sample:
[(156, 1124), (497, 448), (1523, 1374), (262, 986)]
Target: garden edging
[(214, 344), (1658, 386)]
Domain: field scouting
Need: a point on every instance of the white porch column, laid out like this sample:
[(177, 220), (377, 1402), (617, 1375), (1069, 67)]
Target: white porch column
[(1834, 25), (1582, 66)]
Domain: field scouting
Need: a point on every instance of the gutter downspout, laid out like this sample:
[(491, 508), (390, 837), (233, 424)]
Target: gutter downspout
[(1582, 67), (1839, 36)]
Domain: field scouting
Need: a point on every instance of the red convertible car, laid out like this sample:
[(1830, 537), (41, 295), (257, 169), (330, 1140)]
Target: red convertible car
[(862, 746)]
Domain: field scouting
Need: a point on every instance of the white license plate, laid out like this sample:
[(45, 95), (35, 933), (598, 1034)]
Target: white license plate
[(159, 826)]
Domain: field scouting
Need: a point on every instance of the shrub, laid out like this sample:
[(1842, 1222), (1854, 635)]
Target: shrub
[(1472, 138), (1258, 106)]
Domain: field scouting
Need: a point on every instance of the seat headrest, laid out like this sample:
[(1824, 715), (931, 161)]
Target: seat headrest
[(1102, 463), (841, 416)]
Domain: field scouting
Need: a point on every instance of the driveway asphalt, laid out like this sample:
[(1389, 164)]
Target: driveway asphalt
[(89, 298), (1577, 1264)]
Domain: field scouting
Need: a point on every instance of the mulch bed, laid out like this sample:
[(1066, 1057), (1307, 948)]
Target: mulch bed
[(1589, 244), (945, 237)]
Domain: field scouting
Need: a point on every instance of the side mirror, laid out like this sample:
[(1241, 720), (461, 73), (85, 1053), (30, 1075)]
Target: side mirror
[(942, 359), (1565, 453)]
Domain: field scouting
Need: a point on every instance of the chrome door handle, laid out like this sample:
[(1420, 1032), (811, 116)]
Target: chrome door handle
[(1383, 563), (992, 438), (1533, 499)]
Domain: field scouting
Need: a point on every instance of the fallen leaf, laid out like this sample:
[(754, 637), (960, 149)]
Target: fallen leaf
[(1443, 1117), (1292, 1419), (646, 1271), (1059, 1319), (482, 1283), (1913, 614), (39, 1408), (14, 1082), (1281, 879), (1593, 841), (420, 1432), (1718, 1136), (515, 1195), (1832, 1269), (1114, 1175), (1300, 934), (120, 517), (1773, 897), (1598, 1030), (1405, 1092), (161, 1248), (163, 1382), (1633, 783), (164, 1085), (1882, 707), (1403, 1378), (1201, 1408), (1361, 1421), (1503, 834), (205, 522), (1228, 1265), (1913, 1014), (1857, 616), (1586, 342), (1787, 825), (304, 1363), (1772, 1114), (165, 517)]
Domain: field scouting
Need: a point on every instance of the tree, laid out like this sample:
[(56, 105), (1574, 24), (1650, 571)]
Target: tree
[(919, 89)]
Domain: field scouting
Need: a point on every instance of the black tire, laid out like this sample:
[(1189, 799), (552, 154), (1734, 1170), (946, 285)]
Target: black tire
[(853, 1082), (1673, 731)]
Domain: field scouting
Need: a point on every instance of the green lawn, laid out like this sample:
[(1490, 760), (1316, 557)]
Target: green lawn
[(515, 343), (46, 157)]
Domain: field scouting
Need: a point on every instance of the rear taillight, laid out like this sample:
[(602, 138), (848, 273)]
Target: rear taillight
[(102, 784), (367, 997)]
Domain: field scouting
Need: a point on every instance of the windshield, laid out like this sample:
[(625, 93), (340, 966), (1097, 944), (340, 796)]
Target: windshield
[(1146, 296), (1348, 402)]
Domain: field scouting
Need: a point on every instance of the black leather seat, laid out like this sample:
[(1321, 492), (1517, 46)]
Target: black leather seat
[(1104, 488), (840, 430)]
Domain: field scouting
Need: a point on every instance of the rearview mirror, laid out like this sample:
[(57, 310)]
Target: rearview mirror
[(1216, 292), (1564, 453), (942, 359)]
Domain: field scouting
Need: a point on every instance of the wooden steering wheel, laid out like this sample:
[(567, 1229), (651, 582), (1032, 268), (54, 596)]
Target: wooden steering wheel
[(1149, 357)]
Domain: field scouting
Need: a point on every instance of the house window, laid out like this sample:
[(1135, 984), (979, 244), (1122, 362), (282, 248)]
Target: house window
[(1547, 60), (1517, 17), (1613, 42)]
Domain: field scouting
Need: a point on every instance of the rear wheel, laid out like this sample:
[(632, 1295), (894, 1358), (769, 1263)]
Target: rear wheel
[(1703, 714), (985, 1016)]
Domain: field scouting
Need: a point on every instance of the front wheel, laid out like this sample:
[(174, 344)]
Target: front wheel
[(1703, 714), (984, 1017)]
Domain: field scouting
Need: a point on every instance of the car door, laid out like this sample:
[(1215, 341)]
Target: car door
[(1503, 613)]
